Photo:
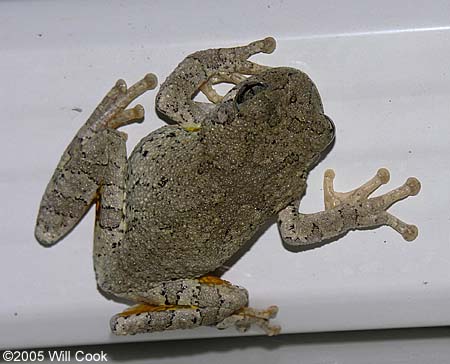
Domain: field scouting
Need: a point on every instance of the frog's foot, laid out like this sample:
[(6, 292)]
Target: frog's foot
[(371, 212), (241, 67), (112, 112), (245, 317)]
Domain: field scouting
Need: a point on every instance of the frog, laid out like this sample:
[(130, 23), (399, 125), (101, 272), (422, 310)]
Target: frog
[(193, 192)]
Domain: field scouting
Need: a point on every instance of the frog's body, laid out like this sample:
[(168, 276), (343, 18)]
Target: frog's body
[(190, 195), (200, 195)]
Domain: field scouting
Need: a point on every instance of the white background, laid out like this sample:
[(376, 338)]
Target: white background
[(383, 72)]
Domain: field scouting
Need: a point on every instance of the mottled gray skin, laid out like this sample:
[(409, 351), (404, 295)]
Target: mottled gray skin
[(191, 194), (205, 193)]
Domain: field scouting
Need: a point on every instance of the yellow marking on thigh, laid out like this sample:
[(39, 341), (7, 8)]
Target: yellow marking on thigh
[(143, 307)]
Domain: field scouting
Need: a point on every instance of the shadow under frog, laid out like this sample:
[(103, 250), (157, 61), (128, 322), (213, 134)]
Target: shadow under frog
[(193, 194)]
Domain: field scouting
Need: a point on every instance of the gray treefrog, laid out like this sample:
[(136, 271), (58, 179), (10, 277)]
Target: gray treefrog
[(192, 193)]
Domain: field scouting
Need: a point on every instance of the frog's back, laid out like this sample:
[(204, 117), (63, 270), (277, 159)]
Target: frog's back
[(179, 221), (186, 216)]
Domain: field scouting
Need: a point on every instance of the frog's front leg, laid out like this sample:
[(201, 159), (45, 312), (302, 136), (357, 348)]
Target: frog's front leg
[(92, 165), (347, 211), (199, 71)]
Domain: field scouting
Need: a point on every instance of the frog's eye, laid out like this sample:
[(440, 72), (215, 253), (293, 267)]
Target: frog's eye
[(248, 91), (331, 125)]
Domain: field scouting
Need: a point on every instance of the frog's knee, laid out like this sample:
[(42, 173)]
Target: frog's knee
[(223, 296), (236, 298)]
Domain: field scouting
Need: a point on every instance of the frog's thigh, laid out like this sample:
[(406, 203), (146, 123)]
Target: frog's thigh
[(181, 304)]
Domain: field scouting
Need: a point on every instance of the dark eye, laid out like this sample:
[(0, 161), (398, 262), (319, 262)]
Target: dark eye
[(247, 91)]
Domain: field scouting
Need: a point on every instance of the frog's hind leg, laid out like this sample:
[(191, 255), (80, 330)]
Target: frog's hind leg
[(189, 303), (89, 161)]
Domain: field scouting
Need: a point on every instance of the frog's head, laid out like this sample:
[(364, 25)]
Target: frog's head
[(272, 116)]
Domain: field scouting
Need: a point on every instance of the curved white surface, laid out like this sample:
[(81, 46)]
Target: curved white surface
[(383, 80)]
